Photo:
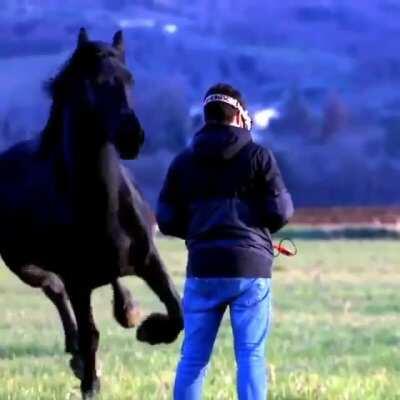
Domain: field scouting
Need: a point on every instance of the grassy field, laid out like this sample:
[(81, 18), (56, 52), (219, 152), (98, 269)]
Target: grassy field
[(336, 333)]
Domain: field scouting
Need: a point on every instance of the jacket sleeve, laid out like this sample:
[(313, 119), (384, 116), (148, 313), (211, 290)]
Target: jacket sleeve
[(276, 206), (171, 212)]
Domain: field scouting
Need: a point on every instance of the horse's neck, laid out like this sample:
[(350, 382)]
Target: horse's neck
[(93, 171), (87, 148)]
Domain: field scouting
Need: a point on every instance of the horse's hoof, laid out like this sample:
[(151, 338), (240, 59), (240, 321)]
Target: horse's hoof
[(159, 328), (132, 317), (77, 366), (128, 316), (91, 392), (89, 396)]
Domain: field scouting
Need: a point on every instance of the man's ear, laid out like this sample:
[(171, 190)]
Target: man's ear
[(119, 44), (239, 119)]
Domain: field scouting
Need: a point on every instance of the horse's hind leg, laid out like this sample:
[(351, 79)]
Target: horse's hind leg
[(126, 309), (54, 289)]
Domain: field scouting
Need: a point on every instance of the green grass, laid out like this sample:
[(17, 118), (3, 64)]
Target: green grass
[(336, 333)]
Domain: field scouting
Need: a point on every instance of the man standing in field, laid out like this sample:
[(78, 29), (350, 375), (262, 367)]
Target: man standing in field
[(225, 195)]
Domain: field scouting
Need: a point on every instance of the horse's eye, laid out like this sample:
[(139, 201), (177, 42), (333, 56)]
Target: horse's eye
[(105, 54)]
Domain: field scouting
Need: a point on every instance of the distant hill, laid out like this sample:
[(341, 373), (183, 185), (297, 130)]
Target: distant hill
[(330, 69)]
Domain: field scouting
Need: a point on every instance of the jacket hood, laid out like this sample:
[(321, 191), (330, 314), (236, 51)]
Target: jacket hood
[(219, 142)]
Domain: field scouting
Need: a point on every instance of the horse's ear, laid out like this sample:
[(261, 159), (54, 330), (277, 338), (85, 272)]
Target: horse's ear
[(83, 37), (119, 44)]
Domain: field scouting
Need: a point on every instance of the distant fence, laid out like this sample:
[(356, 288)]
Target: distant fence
[(345, 223), (340, 223), (348, 215)]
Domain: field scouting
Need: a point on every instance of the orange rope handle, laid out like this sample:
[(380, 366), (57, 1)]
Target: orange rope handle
[(281, 249)]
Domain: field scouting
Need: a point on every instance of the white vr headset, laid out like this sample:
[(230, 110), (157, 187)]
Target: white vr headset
[(222, 98)]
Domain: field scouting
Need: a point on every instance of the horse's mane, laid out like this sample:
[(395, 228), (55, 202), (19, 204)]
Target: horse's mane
[(57, 87), (71, 70)]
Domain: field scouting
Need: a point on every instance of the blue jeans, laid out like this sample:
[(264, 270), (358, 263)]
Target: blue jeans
[(204, 303)]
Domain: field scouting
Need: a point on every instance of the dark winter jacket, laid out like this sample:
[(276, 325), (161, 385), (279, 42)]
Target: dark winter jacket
[(225, 195)]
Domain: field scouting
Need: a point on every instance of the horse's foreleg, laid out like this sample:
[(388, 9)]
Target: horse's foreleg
[(158, 328), (148, 265), (88, 341), (126, 309), (54, 289)]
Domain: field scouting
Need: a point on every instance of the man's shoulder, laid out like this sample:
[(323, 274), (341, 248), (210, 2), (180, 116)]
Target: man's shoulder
[(182, 159), (261, 148), (258, 153)]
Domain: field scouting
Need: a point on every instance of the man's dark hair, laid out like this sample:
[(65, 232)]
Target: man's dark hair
[(221, 112)]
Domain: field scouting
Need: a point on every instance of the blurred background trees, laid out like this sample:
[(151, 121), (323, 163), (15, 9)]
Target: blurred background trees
[(328, 72)]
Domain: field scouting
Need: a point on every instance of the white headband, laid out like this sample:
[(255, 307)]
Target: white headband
[(223, 98)]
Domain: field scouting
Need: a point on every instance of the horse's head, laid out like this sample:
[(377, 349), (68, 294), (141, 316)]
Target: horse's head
[(95, 85)]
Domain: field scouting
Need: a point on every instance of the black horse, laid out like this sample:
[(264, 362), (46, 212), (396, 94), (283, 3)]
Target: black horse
[(71, 220)]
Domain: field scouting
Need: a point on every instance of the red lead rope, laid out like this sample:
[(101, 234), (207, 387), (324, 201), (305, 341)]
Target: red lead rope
[(281, 249)]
